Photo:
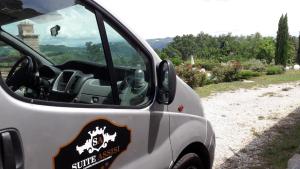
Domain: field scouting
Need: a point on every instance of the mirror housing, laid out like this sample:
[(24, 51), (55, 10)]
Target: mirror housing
[(166, 76)]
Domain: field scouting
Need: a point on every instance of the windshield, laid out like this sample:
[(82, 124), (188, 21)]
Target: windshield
[(66, 34)]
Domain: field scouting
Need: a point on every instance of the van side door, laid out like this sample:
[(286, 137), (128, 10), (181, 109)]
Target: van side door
[(129, 132)]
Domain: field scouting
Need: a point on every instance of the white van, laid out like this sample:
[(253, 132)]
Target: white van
[(80, 91)]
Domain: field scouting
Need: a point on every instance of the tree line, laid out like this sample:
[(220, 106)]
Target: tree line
[(280, 50)]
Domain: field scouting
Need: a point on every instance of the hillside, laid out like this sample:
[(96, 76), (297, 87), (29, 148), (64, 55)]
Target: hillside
[(159, 43)]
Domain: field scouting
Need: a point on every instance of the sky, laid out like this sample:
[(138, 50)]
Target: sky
[(168, 18)]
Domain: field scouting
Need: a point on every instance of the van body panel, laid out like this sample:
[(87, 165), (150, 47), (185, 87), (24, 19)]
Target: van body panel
[(45, 129), (186, 97), (189, 125)]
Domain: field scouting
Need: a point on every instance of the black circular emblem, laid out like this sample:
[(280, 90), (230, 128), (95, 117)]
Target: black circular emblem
[(97, 141)]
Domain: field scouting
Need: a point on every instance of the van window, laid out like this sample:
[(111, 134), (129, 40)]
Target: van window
[(69, 39), (77, 71), (134, 66)]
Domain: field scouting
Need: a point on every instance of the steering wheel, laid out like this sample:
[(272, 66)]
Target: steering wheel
[(22, 73)]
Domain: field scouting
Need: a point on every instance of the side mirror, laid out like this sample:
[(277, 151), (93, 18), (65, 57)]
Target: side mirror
[(166, 82)]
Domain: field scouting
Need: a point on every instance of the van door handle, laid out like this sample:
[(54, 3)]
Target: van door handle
[(11, 150)]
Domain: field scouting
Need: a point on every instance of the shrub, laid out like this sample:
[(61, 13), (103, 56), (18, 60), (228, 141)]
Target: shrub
[(273, 70), (234, 64), (255, 65), (207, 64), (191, 76), (225, 73), (176, 60), (246, 74)]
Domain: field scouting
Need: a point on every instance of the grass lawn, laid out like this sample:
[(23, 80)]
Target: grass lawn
[(260, 81)]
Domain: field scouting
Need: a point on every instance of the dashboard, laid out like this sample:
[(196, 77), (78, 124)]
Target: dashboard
[(75, 81), (85, 82)]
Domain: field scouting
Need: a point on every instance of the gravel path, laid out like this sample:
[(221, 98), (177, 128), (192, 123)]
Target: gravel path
[(238, 117)]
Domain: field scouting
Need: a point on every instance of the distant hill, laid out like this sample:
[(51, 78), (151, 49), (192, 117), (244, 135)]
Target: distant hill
[(159, 43), (123, 54), (60, 53)]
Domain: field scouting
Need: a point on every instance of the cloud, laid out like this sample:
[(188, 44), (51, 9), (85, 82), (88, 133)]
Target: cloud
[(54, 16), (76, 23)]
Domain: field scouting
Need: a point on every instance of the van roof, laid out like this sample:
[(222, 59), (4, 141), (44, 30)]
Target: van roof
[(16, 10)]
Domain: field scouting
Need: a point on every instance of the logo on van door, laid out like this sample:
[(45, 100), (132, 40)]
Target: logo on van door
[(96, 147), (98, 140)]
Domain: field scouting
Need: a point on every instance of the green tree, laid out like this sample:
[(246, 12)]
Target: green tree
[(186, 45), (298, 52), (265, 50), (207, 46), (292, 49), (171, 52), (95, 52), (248, 46), (282, 41)]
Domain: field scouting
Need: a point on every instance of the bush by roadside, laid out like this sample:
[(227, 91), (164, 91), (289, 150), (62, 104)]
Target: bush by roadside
[(226, 73), (200, 74), (192, 76), (207, 64), (273, 70), (246, 74), (254, 65), (176, 60)]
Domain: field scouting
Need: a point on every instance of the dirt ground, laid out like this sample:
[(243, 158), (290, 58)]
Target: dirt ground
[(239, 117)]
